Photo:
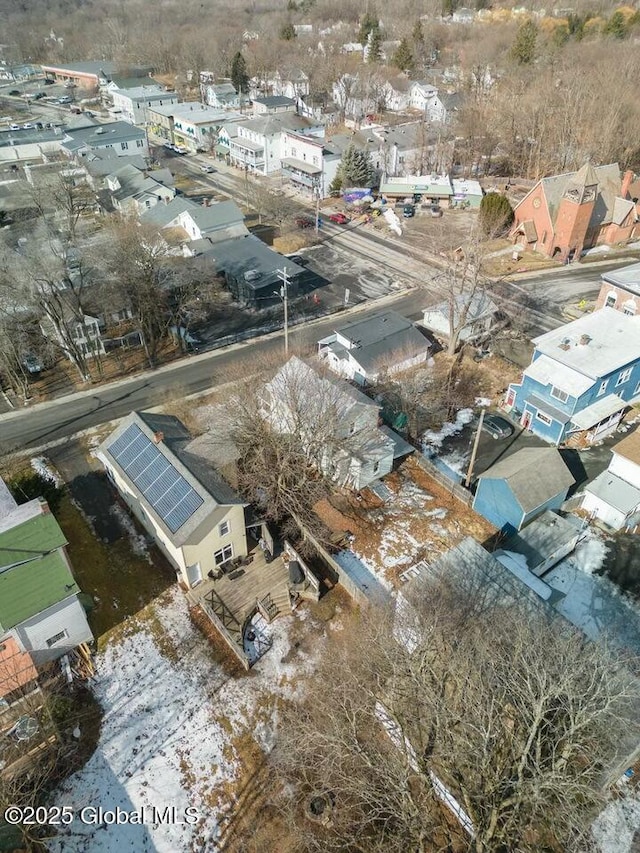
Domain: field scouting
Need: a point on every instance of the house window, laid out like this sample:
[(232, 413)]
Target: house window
[(224, 528), (637, 389), (540, 416), (611, 300), (624, 376), (603, 387), (223, 554), (56, 638), (352, 428), (376, 466), (124, 145), (559, 394), (140, 143)]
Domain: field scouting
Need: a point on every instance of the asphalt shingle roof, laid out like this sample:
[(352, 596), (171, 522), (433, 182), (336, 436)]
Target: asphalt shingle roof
[(534, 474)]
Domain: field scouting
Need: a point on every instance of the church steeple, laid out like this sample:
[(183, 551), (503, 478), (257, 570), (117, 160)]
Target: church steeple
[(582, 187)]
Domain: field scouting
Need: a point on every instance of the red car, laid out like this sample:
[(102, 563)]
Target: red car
[(305, 222), (339, 218)]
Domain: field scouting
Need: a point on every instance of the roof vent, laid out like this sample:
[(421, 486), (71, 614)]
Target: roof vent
[(565, 343), (585, 340), (158, 437)]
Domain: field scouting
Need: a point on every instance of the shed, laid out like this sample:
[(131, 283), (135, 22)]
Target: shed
[(521, 487), (544, 541)]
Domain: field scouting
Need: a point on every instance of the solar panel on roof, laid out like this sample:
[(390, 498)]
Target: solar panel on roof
[(171, 496)]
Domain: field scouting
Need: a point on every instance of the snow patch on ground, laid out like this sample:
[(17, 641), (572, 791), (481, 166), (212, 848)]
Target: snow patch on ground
[(138, 540), (46, 470), (170, 713), (589, 553), (614, 828), (435, 438)]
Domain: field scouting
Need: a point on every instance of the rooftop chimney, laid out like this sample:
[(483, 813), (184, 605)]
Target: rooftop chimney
[(627, 180), (158, 437), (585, 340)]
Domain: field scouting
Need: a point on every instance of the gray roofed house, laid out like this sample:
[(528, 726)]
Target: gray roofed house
[(481, 316), (614, 496), (122, 137), (195, 518), (215, 222), (251, 269), (336, 424), (522, 486), (273, 104), (132, 190), (362, 349), (102, 161)]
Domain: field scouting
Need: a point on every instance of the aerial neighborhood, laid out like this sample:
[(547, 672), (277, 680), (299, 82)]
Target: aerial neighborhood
[(319, 428)]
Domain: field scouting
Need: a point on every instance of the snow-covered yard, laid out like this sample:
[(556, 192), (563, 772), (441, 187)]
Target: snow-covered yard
[(173, 719)]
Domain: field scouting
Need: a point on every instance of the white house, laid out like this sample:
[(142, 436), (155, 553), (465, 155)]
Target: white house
[(39, 605), (293, 85), (614, 496), (384, 343), (83, 328), (259, 143), (335, 423), (193, 515), (134, 191), (480, 316), (192, 124), (421, 94), (309, 163), (216, 222), (134, 104), (221, 96), (438, 107)]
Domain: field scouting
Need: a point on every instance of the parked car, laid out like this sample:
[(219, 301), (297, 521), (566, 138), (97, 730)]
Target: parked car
[(39, 125), (298, 259), (65, 99), (14, 126), (305, 222), (69, 85), (338, 218), (408, 211), (180, 149), (27, 126), (208, 168), (15, 93), (32, 364), (38, 96), (48, 82), (497, 426)]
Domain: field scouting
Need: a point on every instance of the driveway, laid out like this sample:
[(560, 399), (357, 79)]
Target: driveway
[(585, 465), (89, 488)]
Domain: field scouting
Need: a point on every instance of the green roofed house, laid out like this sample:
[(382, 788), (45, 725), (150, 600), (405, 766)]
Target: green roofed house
[(39, 605)]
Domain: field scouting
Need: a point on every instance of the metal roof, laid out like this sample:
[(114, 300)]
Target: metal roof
[(543, 537), (615, 491), (598, 411), (31, 539), (31, 587), (546, 371), (101, 135), (614, 341)]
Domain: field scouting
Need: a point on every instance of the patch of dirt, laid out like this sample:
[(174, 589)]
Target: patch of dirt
[(422, 519)]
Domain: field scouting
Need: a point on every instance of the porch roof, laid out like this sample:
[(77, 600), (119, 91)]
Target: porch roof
[(598, 411), (548, 409), (301, 166), (246, 144)]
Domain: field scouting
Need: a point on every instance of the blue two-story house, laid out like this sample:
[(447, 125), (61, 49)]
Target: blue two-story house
[(581, 379)]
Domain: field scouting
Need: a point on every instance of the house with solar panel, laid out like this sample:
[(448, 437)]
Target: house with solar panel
[(193, 515), (40, 611)]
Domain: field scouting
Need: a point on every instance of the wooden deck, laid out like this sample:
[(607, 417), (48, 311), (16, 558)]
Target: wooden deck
[(259, 580)]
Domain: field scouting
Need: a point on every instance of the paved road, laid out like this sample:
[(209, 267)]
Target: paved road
[(50, 422)]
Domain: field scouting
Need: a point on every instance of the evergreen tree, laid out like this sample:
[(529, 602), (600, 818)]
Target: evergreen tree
[(374, 50), (336, 184), (616, 26), (417, 34), (239, 76), (356, 168), (403, 57), (288, 32), (368, 23), (496, 214), (524, 47), (292, 6)]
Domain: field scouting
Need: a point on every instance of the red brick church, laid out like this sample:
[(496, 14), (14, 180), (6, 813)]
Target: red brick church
[(565, 214)]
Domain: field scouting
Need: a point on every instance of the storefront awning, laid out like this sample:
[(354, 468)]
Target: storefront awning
[(301, 166)]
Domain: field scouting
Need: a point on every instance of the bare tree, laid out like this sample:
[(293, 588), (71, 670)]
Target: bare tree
[(509, 712)]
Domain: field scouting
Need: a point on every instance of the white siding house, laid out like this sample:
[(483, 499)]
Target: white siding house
[(134, 104), (335, 423), (614, 496), (308, 163)]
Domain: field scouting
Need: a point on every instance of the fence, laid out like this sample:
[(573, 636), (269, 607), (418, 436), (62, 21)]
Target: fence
[(439, 475)]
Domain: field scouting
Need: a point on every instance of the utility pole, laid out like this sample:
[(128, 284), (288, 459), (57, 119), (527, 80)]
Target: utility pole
[(284, 295), (318, 191), (475, 450)]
